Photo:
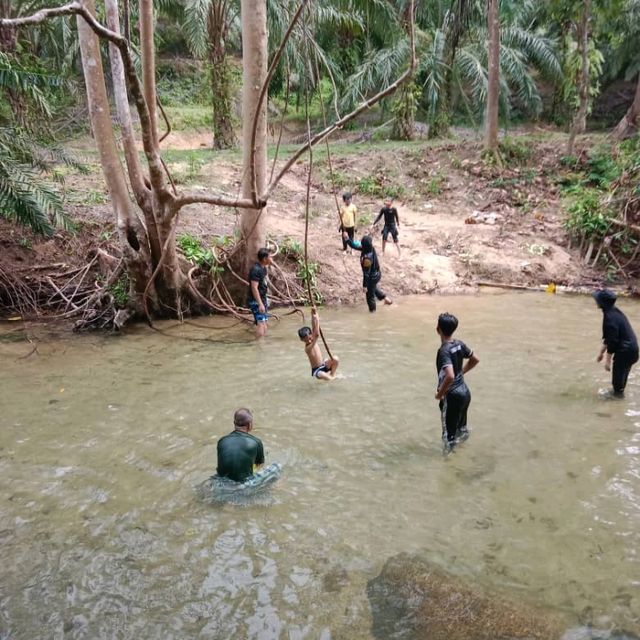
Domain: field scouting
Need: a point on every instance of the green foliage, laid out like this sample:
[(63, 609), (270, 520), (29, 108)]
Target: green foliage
[(586, 216), (516, 151), (29, 83), (182, 83), (435, 185), (189, 117), (309, 273), (120, 291), (602, 168), (573, 70), (26, 197), (379, 186), (293, 249), (195, 251)]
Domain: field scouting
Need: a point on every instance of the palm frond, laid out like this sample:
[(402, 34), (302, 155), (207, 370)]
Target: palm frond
[(196, 17), (378, 69), (539, 51), (25, 195)]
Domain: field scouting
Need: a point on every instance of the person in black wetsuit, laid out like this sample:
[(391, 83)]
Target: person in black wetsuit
[(239, 451), (452, 393), (371, 273), (391, 223), (618, 341)]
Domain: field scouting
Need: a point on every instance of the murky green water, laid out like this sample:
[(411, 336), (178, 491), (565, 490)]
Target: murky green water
[(103, 439)]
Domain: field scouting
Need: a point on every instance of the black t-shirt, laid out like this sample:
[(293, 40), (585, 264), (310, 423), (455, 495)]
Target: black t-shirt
[(370, 265), (452, 353), (258, 274), (617, 333), (237, 453), (390, 216)]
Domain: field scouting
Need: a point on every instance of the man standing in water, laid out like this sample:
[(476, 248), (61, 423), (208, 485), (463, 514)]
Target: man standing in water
[(257, 294), (452, 393), (618, 341)]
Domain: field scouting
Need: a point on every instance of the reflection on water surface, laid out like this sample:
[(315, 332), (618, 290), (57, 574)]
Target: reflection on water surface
[(102, 440)]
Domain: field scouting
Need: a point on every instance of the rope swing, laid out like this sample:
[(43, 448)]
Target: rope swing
[(308, 195)]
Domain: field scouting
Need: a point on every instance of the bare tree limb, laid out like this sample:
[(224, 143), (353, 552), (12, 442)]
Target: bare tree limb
[(319, 137)]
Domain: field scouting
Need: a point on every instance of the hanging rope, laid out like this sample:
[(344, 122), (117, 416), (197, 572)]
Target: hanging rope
[(308, 196)]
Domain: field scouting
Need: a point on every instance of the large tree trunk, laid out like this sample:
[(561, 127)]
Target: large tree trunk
[(224, 136), (254, 71), (133, 236), (147, 47), (629, 124), (103, 132), (579, 123), (493, 82)]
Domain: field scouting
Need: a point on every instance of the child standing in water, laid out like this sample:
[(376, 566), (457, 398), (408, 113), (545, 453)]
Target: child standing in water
[(452, 393), (348, 217), (371, 273), (320, 368)]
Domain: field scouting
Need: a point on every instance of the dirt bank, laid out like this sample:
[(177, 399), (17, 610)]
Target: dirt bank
[(461, 222)]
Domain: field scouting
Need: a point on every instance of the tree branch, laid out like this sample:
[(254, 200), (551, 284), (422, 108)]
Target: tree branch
[(221, 201), (76, 8), (319, 137)]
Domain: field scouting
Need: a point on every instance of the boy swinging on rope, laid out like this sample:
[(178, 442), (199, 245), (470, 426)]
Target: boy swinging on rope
[(320, 368)]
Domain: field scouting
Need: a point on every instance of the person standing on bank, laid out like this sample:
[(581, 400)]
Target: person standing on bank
[(391, 223), (257, 295), (348, 219), (371, 272), (452, 393), (619, 341)]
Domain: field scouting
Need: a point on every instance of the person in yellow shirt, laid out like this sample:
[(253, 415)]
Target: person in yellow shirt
[(348, 219)]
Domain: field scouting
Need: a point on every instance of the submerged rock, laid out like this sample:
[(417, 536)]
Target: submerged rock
[(589, 633), (412, 600)]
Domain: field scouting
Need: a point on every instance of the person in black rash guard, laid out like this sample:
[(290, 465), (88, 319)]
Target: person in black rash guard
[(452, 393), (371, 273), (257, 293), (391, 223), (618, 341), (239, 451)]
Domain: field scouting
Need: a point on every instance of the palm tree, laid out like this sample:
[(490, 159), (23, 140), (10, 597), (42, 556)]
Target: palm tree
[(25, 197), (208, 24), (456, 75)]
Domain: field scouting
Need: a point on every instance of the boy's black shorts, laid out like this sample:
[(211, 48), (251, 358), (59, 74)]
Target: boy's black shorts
[(390, 229)]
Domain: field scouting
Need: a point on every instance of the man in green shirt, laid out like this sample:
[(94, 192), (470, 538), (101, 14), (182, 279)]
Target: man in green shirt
[(239, 452)]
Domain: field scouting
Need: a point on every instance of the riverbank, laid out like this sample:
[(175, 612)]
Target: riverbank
[(462, 222)]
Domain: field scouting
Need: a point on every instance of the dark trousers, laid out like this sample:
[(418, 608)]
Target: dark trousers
[(622, 363), (350, 232), (454, 408), (373, 292)]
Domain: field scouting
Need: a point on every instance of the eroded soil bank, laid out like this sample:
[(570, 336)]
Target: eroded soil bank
[(462, 222)]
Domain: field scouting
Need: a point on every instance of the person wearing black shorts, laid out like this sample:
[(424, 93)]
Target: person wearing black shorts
[(452, 393), (391, 223), (257, 292), (619, 342)]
